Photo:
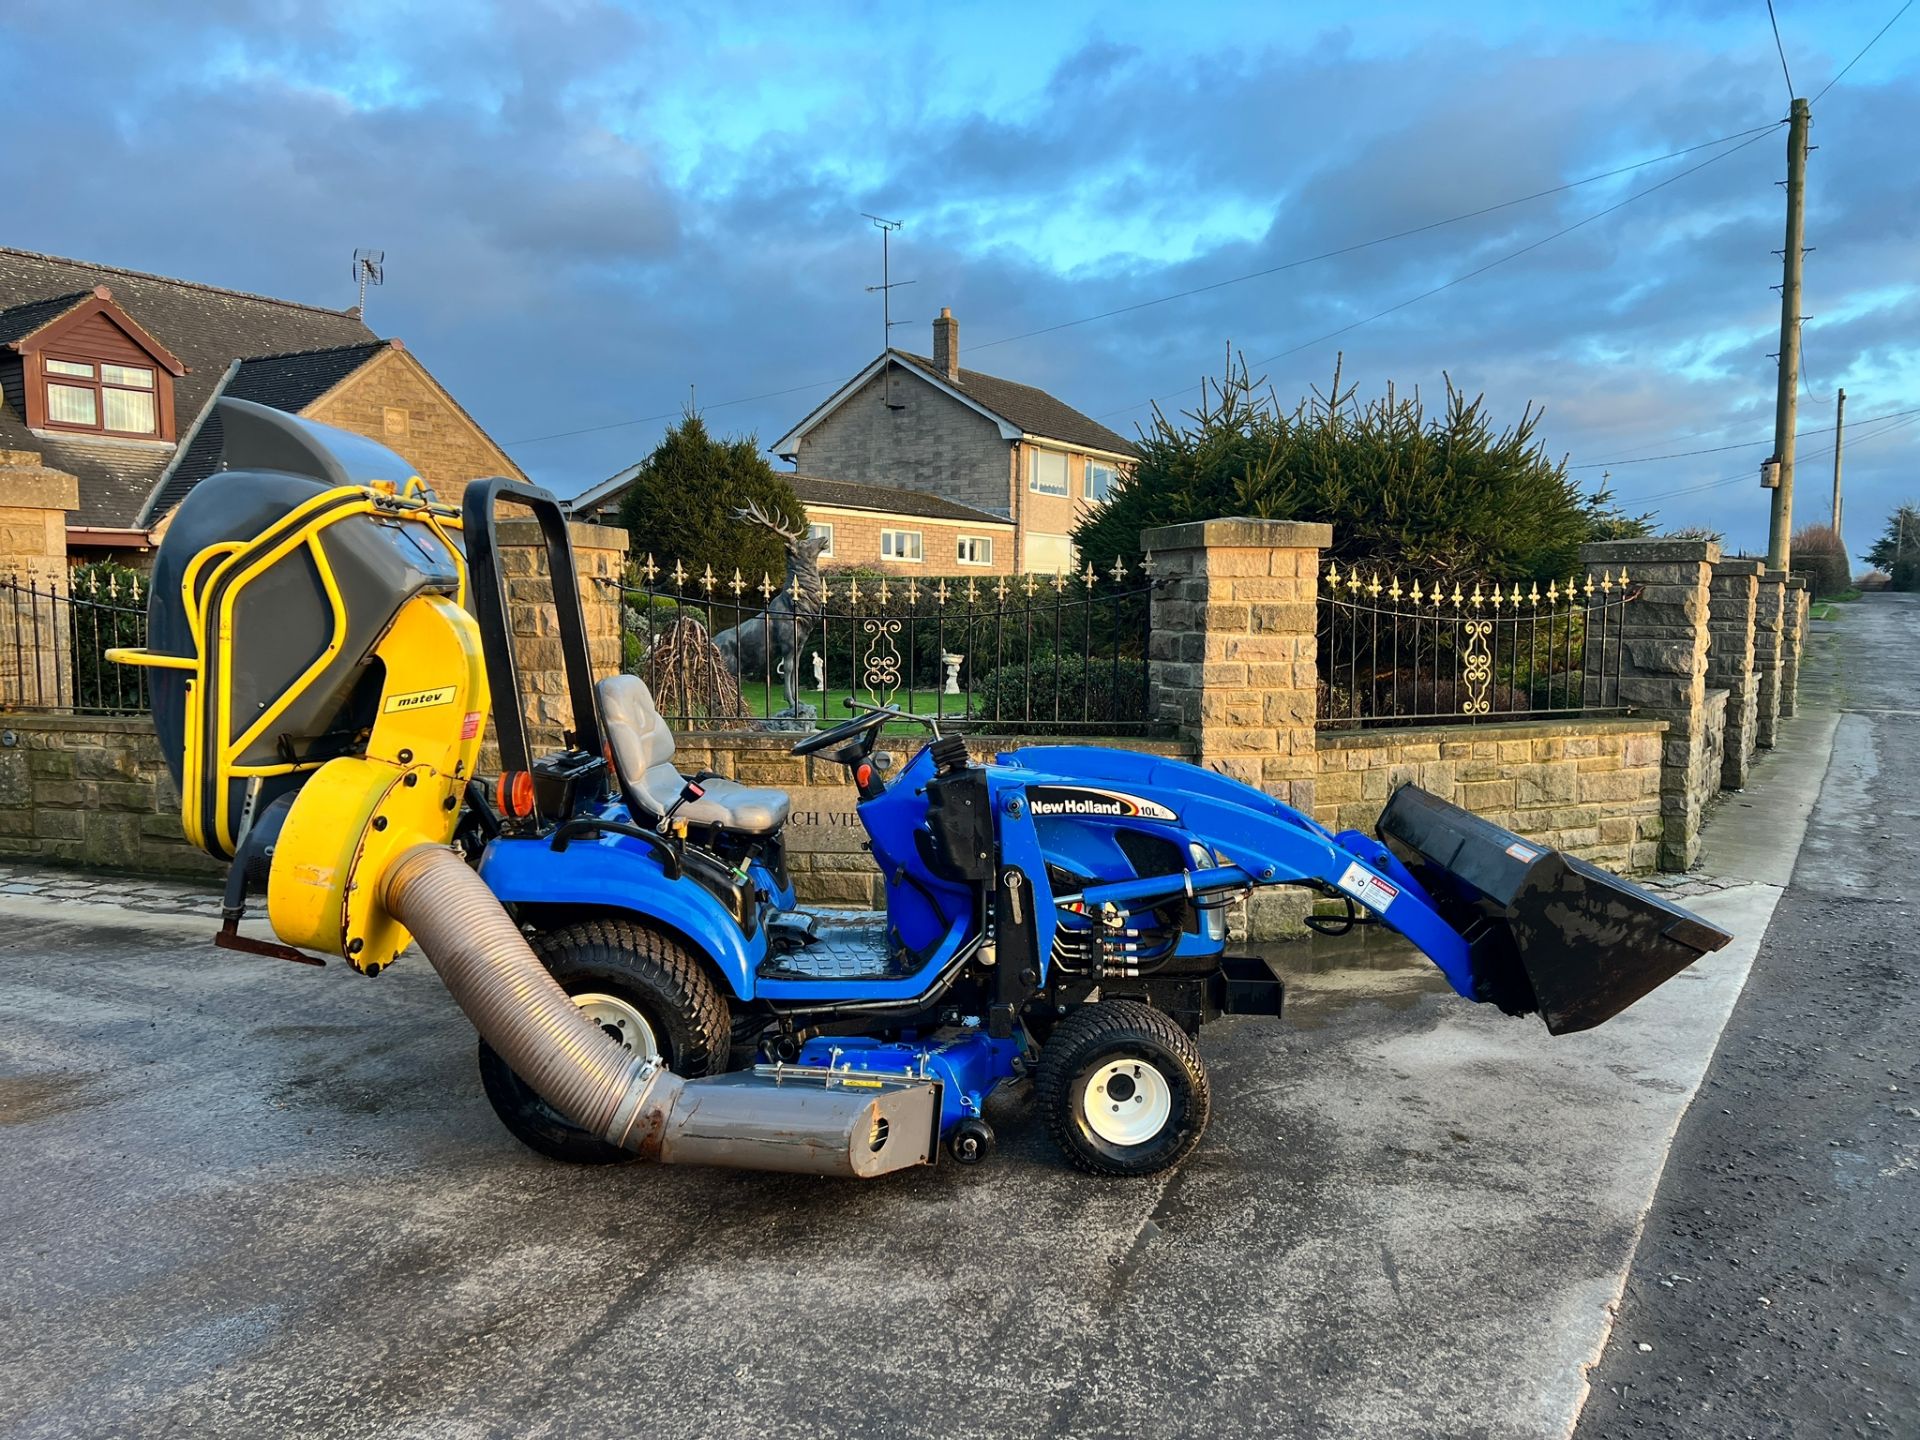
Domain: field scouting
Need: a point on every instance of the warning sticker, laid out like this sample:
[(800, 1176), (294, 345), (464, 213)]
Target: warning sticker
[(1369, 889), (1522, 852), (470, 727)]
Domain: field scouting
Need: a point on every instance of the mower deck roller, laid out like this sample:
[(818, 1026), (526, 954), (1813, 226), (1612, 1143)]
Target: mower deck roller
[(1546, 932)]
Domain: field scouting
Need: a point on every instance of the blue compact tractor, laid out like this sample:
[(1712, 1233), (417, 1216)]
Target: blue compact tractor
[(327, 642)]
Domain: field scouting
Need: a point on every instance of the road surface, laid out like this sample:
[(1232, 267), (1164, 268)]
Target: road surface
[(1777, 1289), (243, 1198)]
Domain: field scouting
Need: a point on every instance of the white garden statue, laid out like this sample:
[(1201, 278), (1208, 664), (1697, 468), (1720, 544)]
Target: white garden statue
[(952, 662)]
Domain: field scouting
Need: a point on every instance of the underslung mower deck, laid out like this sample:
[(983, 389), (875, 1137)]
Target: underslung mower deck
[(327, 643)]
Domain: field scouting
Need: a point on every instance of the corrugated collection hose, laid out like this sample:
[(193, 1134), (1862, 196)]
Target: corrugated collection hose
[(520, 1009)]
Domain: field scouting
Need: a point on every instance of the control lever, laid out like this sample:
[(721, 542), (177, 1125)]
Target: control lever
[(689, 793)]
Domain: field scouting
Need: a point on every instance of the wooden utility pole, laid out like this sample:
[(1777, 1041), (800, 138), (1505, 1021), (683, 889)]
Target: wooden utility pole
[(1839, 441), (1785, 408)]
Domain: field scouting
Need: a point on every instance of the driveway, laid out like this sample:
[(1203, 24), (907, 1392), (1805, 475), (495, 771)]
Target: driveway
[(243, 1197)]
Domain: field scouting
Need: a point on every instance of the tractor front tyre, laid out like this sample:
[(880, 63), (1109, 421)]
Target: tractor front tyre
[(647, 992), (1122, 1089)]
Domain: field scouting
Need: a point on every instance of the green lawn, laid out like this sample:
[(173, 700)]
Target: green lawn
[(764, 700), (1824, 609)]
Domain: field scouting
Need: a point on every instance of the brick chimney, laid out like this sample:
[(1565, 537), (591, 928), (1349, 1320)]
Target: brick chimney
[(946, 344)]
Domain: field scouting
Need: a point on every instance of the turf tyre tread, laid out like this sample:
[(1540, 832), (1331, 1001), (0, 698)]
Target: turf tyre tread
[(680, 999), (1108, 1029)]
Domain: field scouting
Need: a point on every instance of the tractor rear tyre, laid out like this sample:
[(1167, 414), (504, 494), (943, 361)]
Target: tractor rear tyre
[(647, 992), (1122, 1089)]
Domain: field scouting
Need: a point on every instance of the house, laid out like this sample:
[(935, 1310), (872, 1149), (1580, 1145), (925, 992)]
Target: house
[(110, 375), (874, 527), (920, 424), (887, 527)]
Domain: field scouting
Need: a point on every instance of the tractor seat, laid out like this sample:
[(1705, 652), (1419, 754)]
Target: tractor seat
[(643, 754)]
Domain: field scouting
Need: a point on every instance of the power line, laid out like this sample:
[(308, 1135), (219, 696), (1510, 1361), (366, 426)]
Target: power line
[(1863, 50), (1755, 131), (1771, 20), (675, 414), (1722, 449), (1483, 269), (1516, 254), (1361, 245), (1748, 475)]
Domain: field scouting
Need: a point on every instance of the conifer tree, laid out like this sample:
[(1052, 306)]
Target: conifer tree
[(1449, 495), (1897, 551), (681, 506)]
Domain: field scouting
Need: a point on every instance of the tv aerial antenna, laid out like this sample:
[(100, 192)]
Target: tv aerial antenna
[(886, 287), (369, 268)]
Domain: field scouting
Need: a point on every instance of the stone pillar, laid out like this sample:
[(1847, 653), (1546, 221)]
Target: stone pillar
[(1231, 660), (1769, 635), (1663, 672), (1735, 598), (599, 554), (1793, 639), (36, 664)]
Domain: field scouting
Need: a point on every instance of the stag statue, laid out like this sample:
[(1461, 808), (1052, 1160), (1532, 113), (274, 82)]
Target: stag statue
[(774, 640)]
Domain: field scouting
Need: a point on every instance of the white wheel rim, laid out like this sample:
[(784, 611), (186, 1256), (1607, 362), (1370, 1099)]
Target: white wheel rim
[(622, 1020), (1127, 1102)]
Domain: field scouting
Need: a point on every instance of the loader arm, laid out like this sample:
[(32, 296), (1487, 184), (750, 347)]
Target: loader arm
[(1276, 849)]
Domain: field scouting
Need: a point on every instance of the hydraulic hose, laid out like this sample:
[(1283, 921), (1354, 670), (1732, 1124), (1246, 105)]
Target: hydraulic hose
[(520, 1010)]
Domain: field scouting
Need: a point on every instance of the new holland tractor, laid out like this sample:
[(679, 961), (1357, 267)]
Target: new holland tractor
[(327, 642)]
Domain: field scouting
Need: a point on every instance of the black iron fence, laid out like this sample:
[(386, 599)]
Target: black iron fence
[(1435, 652), (1010, 654), (54, 641)]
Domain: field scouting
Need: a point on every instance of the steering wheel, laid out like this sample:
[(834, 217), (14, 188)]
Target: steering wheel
[(867, 725)]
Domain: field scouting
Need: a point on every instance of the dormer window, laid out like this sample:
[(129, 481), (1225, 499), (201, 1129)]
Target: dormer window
[(99, 395), (90, 369)]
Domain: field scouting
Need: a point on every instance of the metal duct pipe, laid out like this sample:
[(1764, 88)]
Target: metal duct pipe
[(812, 1122), (520, 1009)]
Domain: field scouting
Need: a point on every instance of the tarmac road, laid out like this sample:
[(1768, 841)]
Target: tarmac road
[(1778, 1283), (245, 1198)]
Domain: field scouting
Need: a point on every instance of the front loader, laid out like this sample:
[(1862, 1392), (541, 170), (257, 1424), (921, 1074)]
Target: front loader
[(327, 643)]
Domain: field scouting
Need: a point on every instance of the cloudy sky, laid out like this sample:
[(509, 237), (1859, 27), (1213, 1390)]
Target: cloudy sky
[(588, 207)]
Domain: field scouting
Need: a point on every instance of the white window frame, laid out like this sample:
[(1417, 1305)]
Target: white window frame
[(961, 544), (816, 528), (892, 537), (1033, 472), (1113, 478)]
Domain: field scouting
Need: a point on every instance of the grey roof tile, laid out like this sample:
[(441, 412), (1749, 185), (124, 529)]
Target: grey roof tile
[(287, 382), (1033, 410), (205, 327), (887, 499)]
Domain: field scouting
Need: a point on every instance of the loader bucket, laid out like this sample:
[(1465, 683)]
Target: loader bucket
[(1546, 932)]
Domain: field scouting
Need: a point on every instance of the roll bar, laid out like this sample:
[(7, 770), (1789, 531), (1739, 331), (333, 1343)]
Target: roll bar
[(478, 515)]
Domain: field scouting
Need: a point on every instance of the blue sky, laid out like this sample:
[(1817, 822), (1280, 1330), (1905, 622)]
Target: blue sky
[(588, 207)]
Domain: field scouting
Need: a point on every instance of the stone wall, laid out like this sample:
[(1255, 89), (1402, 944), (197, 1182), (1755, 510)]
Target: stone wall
[(599, 554), (912, 434), (1793, 635), (1769, 653), (1587, 786), (91, 791), (395, 401), (1231, 660), (1735, 603), (34, 503), (1663, 670)]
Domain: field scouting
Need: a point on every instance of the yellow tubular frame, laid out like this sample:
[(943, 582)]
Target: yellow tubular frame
[(246, 561)]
